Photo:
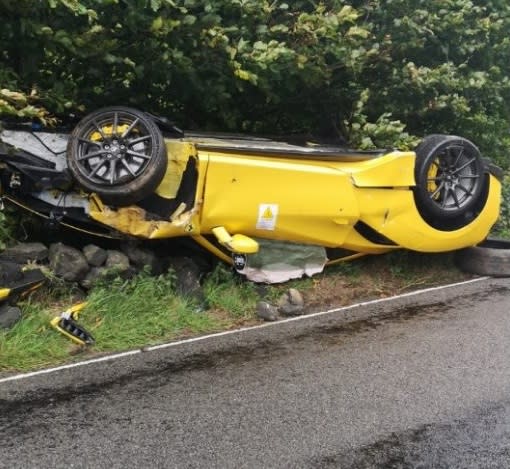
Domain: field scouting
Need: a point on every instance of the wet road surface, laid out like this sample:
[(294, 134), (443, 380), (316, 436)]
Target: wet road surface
[(417, 383)]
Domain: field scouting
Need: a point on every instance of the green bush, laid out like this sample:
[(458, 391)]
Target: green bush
[(356, 72), (502, 227)]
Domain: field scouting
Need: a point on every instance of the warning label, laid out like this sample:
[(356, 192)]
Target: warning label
[(267, 217)]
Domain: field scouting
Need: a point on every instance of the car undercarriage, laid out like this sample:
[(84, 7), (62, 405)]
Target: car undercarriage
[(118, 174)]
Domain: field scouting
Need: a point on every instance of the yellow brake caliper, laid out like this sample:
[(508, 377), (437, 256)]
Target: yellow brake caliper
[(431, 180), (108, 131)]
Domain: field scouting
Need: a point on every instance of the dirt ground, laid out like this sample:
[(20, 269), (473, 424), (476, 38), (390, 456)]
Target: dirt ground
[(379, 277)]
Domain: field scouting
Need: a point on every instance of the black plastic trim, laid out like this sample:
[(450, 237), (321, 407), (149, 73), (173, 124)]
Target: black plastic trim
[(372, 235), (292, 151)]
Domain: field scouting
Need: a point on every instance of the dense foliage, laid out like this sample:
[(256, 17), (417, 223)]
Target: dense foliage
[(361, 71)]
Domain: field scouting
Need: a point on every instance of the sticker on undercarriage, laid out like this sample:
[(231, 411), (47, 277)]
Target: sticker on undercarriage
[(267, 217), (239, 261)]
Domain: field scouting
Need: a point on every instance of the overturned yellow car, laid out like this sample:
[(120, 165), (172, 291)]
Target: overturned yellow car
[(122, 172)]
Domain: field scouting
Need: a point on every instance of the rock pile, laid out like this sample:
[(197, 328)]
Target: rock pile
[(91, 263), (87, 265)]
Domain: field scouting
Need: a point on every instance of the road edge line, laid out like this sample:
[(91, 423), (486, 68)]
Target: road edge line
[(152, 348)]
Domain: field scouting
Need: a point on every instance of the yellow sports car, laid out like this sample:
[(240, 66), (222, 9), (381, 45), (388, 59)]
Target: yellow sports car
[(124, 172)]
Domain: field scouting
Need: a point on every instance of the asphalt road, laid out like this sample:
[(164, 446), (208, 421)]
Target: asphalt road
[(419, 382)]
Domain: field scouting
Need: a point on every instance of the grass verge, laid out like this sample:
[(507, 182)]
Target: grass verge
[(125, 314)]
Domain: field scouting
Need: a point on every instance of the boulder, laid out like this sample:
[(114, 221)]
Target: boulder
[(141, 258), (93, 275), (9, 315), (67, 262), (9, 272), (22, 253), (188, 276), (291, 303), (95, 255), (116, 260), (266, 311)]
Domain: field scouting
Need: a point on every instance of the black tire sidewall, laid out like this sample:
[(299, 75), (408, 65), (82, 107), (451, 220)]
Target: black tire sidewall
[(491, 257)]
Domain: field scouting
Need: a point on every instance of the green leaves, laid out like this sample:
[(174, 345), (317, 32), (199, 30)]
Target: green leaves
[(271, 66), (19, 104)]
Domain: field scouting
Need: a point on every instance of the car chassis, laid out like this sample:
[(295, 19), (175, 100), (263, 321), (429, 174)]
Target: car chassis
[(123, 172)]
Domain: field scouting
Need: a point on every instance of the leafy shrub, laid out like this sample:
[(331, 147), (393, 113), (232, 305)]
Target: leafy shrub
[(364, 73), (502, 227)]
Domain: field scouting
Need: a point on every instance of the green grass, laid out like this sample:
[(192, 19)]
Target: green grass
[(146, 310), (32, 343), (126, 314), (227, 292), (123, 314)]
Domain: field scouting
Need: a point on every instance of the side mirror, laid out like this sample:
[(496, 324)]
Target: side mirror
[(237, 243)]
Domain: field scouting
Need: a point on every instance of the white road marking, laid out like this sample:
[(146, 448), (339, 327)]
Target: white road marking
[(234, 331)]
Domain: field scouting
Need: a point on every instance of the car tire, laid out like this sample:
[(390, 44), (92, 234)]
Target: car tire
[(450, 177), (119, 153), (490, 257)]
